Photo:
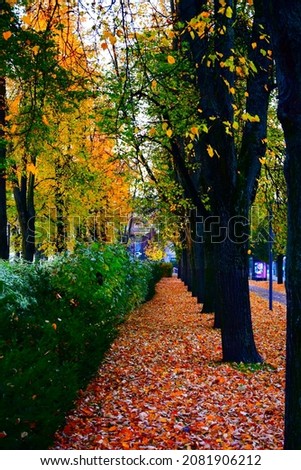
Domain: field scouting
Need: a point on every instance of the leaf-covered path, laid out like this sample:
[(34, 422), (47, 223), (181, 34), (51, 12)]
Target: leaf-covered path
[(162, 385)]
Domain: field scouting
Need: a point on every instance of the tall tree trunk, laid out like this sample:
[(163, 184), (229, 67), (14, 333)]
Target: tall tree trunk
[(229, 172), (195, 246), (61, 219), (280, 269), (284, 17), (198, 255), (24, 199), (209, 305), (4, 248), (30, 242), (233, 279), (199, 266)]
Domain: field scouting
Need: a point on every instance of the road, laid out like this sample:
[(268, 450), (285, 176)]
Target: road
[(264, 293)]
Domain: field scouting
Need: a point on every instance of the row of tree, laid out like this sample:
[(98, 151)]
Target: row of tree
[(56, 163), (203, 74)]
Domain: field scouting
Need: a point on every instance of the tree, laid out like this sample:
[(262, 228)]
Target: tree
[(225, 51), (44, 78), (284, 19)]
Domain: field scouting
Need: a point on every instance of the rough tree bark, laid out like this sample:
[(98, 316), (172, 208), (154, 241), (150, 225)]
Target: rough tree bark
[(284, 19)]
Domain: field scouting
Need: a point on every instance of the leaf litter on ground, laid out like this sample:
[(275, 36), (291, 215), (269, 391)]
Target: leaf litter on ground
[(162, 384)]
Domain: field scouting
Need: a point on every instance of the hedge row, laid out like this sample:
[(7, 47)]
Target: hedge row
[(57, 319)]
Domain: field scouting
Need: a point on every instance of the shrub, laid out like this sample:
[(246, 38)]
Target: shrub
[(57, 319)]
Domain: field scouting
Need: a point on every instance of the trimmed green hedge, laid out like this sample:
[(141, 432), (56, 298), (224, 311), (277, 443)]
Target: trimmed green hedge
[(57, 319)]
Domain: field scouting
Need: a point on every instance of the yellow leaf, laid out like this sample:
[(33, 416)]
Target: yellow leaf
[(169, 133), (249, 252), (232, 90), (254, 45), (165, 42), (11, 2), (210, 151), (170, 59), (8, 117), (164, 126), (250, 118), (229, 12), (235, 125), (7, 35)]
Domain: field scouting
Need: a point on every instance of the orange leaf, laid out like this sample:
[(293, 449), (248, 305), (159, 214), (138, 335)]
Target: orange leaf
[(112, 428), (127, 434), (45, 120), (35, 50), (7, 35)]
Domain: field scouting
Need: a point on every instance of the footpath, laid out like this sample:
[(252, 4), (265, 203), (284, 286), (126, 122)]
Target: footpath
[(278, 292), (162, 384)]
